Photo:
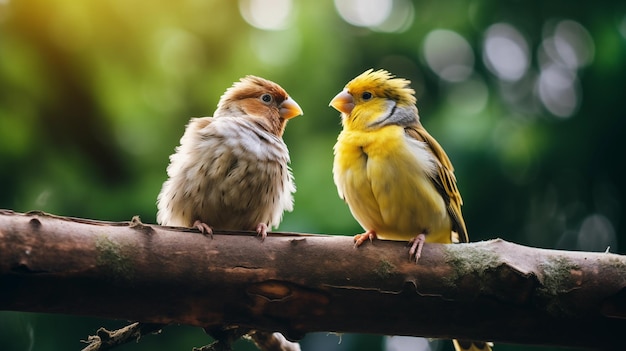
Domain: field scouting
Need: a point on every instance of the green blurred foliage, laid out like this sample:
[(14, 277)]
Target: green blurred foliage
[(95, 95)]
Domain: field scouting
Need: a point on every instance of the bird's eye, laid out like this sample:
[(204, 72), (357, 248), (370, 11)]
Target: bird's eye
[(266, 98), (366, 95)]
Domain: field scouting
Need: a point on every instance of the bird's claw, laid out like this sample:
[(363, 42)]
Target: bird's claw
[(204, 228), (359, 239), (261, 230), (417, 244)]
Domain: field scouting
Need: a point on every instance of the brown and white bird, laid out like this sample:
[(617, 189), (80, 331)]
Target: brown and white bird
[(231, 171)]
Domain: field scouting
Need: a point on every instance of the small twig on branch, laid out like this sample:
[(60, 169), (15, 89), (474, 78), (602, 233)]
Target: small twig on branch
[(105, 339), (299, 283)]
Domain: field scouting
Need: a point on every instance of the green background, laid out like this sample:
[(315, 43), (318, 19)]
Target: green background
[(527, 97)]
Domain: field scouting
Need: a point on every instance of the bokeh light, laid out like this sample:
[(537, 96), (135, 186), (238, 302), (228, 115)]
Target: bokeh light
[(377, 15), (400, 19), (267, 14), (622, 27), (364, 13), (567, 47), (403, 343), (505, 52), (559, 90), (449, 55), (521, 95), (596, 234), (569, 44)]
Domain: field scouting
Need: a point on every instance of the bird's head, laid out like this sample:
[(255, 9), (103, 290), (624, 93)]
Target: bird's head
[(374, 99), (261, 100)]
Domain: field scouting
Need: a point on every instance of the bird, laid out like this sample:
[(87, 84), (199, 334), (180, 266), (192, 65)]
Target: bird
[(231, 171), (395, 177)]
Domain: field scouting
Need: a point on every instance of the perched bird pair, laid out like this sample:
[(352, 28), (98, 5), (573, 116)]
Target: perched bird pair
[(231, 171)]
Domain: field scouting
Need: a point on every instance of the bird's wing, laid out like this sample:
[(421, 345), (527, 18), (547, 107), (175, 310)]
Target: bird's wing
[(445, 181)]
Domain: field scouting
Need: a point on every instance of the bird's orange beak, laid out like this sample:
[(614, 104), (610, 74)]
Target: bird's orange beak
[(290, 109), (343, 102)]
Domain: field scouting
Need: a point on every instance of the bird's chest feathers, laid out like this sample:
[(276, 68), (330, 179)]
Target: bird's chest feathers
[(387, 181), (387, 149), (232, 175)]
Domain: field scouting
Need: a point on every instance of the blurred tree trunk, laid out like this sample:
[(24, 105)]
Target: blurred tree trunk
[(71, 116), (299, 283)]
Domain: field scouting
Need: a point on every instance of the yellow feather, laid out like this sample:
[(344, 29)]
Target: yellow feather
[(385, 179)]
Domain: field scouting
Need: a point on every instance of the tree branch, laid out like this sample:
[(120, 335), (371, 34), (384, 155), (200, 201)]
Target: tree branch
[(299, 283)]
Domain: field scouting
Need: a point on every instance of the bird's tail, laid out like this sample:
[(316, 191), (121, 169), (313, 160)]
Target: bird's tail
[(465, 345)]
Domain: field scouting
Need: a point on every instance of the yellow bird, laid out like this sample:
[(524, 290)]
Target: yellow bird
[(394, 176)]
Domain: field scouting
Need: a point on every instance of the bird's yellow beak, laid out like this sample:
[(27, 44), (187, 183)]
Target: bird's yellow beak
[(290, 109), (343, 102)]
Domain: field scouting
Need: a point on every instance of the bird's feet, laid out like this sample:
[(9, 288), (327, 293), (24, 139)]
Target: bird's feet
[(416, 246), (361, 238), (261, 230), (203, 228)]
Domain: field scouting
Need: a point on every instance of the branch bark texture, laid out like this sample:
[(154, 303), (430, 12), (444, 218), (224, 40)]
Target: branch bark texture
[(298, 283)]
